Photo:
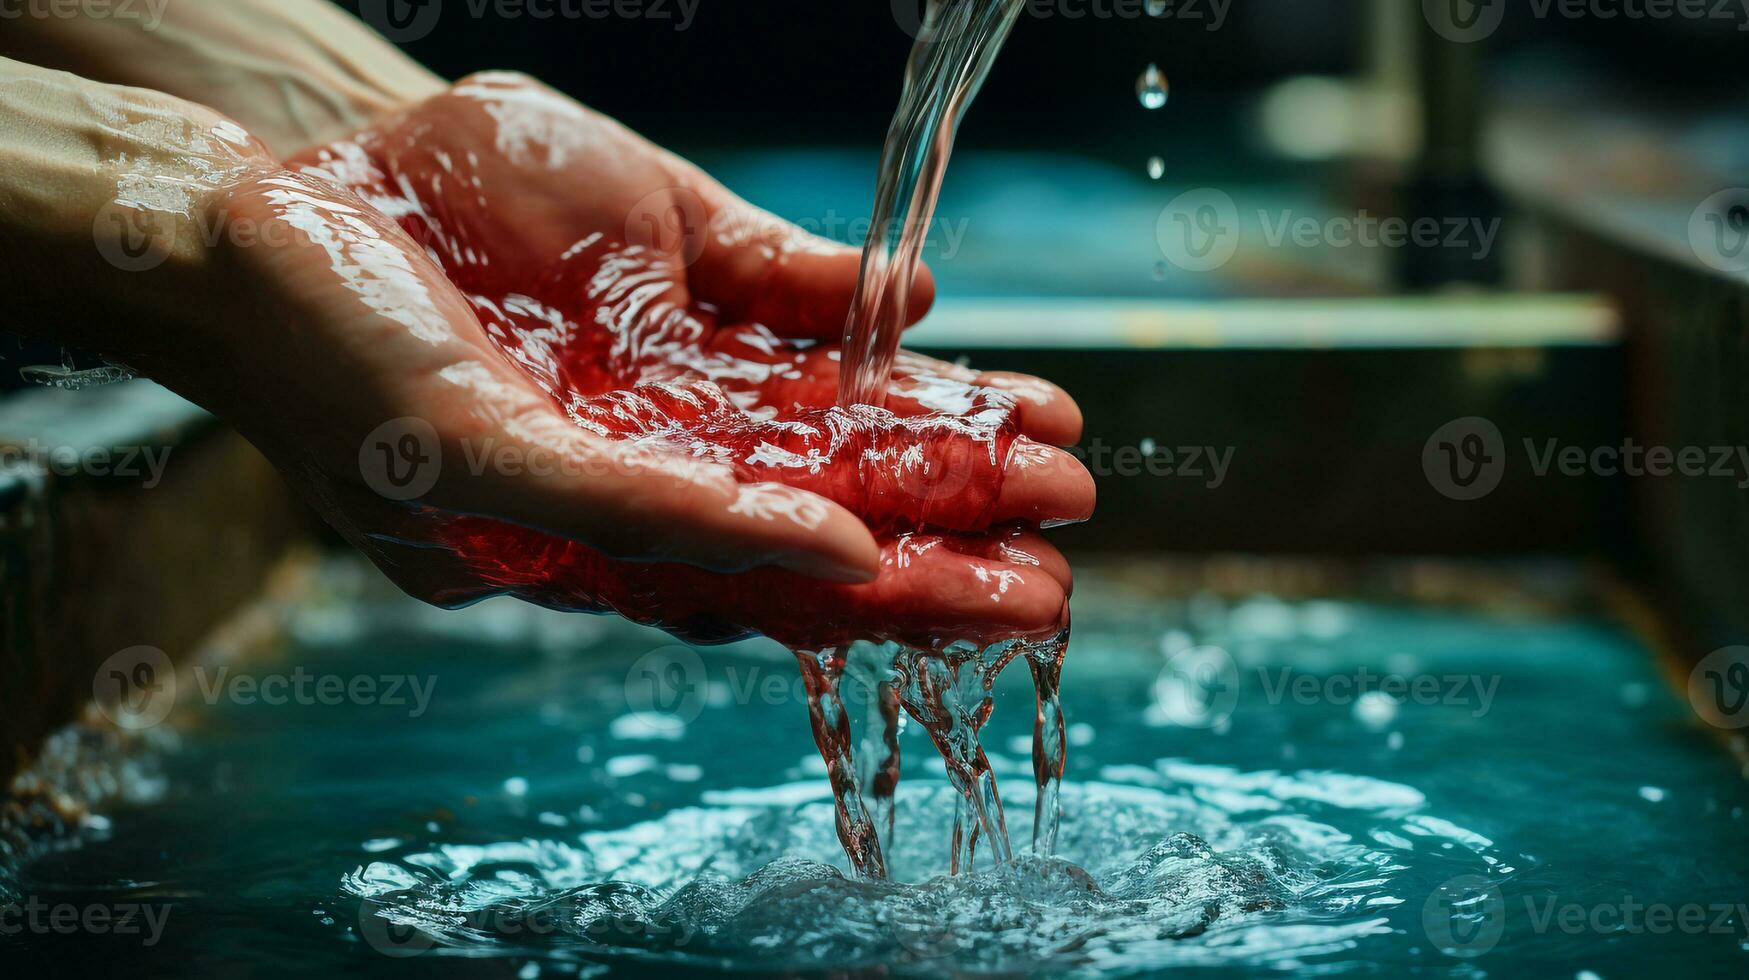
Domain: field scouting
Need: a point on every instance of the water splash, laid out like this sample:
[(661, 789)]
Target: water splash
[(1187, 866), (955, 49), (949, 693)]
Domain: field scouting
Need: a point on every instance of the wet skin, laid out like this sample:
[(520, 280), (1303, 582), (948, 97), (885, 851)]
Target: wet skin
[(664, 337), (477, 262)]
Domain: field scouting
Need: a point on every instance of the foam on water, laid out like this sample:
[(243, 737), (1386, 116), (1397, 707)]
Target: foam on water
[(1207, 866)]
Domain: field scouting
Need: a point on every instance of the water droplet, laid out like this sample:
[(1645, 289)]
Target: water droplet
[(1151, 88), (1156, 8), (1160, 272), (1156, 167)]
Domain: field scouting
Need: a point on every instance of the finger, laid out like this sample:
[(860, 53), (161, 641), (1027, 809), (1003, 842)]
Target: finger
[(1047, 413), (921, 385), (928, 587), (675, 510), (758, 268), (1020, 547), (636, 498), (1044, 486)]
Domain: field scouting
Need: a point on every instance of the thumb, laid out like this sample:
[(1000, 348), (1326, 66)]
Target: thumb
[(758, 268)]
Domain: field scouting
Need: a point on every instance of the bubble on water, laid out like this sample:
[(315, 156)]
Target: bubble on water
[(1653, 794), (1152, 88), (516, 786), (1156, 167)]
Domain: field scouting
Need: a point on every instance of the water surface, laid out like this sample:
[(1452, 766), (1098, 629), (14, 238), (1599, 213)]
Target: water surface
[(579, 797)]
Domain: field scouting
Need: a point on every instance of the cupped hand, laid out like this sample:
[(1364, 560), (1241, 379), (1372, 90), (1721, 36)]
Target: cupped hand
[(595, 416)]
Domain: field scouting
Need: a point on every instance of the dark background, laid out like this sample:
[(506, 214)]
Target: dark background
[(828, 71)]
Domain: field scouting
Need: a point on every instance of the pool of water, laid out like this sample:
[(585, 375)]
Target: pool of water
[(1255, 785)]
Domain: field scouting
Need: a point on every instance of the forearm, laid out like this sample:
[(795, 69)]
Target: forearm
[(296, 72), (108, 198)]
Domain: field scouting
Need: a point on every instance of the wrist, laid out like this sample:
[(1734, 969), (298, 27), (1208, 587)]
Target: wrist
[(113, 198), (296, 72)]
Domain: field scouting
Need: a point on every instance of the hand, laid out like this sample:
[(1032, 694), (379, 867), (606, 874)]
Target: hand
[(559, 328)]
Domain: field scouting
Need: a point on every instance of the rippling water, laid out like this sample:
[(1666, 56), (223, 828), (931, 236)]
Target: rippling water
[(1252, 809)]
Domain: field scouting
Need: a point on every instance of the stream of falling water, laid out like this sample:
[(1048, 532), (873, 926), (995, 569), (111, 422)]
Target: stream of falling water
[(956, 46), (947, 691)]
